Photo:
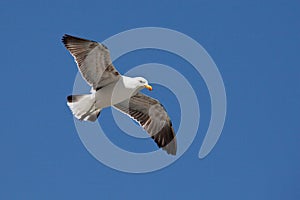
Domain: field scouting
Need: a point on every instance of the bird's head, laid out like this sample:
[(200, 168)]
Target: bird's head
[(143, 83)]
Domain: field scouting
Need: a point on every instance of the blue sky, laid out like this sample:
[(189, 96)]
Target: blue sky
[(256, 47)]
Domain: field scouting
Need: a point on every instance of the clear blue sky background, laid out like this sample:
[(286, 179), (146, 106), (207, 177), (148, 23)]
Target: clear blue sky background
[(256, 46)]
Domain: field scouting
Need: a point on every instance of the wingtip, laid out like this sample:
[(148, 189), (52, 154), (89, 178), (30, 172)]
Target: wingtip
[(171, 148), (65, 38)]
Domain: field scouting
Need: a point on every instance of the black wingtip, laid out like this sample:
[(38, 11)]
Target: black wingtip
[(171, 148), (166, 139), (66, 38)]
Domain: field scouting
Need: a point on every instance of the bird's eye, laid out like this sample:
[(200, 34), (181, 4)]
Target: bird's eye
[(141, 81)]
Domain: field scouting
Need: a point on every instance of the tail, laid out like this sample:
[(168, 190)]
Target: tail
[(83, 107)]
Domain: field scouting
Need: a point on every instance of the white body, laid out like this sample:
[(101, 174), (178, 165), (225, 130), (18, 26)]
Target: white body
[(87, 107), (115, 93)]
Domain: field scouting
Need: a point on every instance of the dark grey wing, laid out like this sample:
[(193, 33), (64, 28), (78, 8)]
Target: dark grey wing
[(93, 61), (153, 118)]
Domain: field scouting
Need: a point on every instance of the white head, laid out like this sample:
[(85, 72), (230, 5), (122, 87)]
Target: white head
[(142, 83)]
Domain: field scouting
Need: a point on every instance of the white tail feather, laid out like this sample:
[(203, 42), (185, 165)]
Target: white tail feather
[(83, 107)]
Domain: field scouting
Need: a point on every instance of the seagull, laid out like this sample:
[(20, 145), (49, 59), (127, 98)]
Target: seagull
[(110, 88)]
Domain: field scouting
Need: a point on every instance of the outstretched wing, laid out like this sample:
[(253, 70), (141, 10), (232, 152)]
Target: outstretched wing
[(93, 61), (152, 116)]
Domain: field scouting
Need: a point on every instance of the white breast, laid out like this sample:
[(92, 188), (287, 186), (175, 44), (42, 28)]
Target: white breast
[(115, 93)]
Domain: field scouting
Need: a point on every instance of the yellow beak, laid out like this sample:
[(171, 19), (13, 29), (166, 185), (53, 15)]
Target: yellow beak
[(149, 87)]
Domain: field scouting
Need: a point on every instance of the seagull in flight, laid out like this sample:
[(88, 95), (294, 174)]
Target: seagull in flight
[(110, 88)]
